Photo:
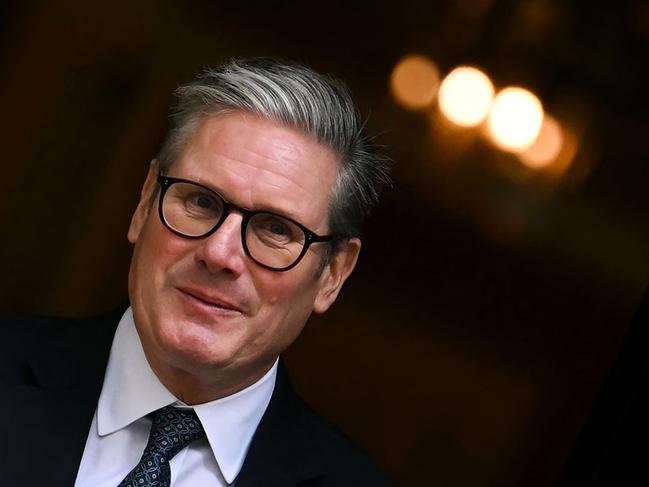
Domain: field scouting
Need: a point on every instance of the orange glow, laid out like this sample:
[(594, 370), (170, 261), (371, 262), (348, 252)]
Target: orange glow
[(566, 155), (544, 150), (465, 96), (414, 82), (515, 119)]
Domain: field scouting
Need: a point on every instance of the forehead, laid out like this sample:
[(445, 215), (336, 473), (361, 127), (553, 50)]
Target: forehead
[(262, 164)]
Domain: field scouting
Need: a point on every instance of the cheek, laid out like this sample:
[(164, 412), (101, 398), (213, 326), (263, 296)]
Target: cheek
[(156, 253), (287, 301), (160, 250)]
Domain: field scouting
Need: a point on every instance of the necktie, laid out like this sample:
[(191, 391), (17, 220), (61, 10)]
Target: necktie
[(172, 430)]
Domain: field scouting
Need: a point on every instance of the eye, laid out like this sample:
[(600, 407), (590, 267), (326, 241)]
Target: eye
[(202, 201), (202, 204), (274, 230), (277, 228)]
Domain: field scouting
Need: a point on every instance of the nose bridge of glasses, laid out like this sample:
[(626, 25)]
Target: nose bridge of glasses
[(221, 249), (231, 222)]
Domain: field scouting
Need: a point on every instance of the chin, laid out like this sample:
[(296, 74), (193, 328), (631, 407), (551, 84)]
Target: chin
[(195, 346)]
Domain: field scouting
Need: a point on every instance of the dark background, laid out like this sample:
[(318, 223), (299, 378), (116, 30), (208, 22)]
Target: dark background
[(489, 302)]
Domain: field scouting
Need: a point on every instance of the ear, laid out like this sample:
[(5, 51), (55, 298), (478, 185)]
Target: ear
[(144, 206), (335, 274)]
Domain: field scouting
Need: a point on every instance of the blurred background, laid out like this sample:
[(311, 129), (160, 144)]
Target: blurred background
[(498, 276)]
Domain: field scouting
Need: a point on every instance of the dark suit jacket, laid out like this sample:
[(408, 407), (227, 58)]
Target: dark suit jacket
[(51, 373)]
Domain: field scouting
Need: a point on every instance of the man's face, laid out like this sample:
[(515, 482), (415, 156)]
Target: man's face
[(203, 305)]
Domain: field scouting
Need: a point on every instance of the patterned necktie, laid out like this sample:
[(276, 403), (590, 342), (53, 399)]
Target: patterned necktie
[(172, 430)]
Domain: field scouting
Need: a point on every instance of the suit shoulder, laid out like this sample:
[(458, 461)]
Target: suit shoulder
[(23, 337), (23, 330), (24, 323), (20, 334)]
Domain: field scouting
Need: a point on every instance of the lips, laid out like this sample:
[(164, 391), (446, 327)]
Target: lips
[(210, 299)]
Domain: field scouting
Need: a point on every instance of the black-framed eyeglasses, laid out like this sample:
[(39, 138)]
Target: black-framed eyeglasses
[(194, 211)]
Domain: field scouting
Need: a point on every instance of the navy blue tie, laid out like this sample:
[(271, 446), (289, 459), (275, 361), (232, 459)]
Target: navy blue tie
[(171, 431)]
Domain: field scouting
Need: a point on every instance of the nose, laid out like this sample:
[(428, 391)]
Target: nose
[(222, 252)]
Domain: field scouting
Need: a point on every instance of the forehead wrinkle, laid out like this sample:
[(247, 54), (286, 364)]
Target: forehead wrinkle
[(293, 179), (277, 184), (289, 155)]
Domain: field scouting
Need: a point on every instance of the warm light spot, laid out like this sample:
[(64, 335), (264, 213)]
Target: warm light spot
[(566, 156), (414, 82), (544, 150), (465, 96), (515, 119)]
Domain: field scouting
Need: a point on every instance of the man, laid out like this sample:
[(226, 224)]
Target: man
[(248, 221)]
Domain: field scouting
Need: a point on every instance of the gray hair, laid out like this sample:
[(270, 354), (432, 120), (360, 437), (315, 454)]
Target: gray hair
[(292, 94)]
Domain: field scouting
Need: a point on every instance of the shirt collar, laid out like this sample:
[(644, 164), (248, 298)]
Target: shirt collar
[(131, 390)]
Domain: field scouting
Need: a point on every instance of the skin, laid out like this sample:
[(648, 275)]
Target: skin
[(211, 321)]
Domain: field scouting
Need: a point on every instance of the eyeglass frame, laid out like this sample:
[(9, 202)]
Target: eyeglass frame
[(310, 237)]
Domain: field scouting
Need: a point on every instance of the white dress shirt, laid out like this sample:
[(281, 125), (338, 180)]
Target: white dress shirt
[(120, 428)]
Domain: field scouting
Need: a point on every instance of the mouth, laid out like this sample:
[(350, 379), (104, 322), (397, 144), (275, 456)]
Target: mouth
[(209, 301)]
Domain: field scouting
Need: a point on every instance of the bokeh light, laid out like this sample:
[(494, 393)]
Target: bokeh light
[(515, 119), (414, 82), (566, 157), (546, 148), (465, 96)]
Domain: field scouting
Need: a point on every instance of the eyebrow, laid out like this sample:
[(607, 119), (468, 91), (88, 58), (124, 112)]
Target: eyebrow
[(265, 208)]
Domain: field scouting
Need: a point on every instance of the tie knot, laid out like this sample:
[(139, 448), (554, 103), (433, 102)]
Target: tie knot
[(172, 430)]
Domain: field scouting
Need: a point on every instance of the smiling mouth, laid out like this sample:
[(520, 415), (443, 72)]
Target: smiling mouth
[(211, 302)]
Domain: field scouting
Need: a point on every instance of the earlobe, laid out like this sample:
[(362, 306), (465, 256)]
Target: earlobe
[(144, 206), (335, 275)]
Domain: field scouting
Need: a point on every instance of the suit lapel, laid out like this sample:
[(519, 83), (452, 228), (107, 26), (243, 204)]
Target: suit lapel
[(282, 452), (66, 371), (52, 431)]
